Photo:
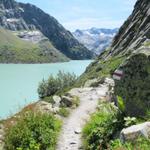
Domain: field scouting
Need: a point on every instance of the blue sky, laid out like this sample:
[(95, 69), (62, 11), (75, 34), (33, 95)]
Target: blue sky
[(83, 14)]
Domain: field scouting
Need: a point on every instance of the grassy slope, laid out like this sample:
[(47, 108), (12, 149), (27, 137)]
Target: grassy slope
[(15, 50), (101, 68)]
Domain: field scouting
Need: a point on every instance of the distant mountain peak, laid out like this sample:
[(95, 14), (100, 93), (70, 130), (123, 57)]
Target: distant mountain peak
[(95, 39)]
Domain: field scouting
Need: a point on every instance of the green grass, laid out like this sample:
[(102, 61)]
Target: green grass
[(64, 112), (15, 50)]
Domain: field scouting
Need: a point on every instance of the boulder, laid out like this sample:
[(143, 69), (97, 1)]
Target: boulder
[(66, 101), (135, 131), (57, 101), (44, 107), (55, 110)]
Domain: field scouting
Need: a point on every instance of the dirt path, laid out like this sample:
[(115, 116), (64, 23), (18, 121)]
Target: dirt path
[(70, 138)]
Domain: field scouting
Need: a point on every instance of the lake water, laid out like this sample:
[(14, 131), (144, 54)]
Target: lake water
[(19, 82)]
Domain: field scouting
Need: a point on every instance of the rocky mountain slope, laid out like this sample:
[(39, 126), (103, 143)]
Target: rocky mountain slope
[(134, 33), (96, 39), (130, 54), (31, 23)]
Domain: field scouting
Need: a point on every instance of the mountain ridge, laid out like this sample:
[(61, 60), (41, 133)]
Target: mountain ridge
[(95, 39), (19, 17)]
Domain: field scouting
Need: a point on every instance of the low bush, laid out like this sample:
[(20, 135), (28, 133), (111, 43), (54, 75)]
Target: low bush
[(101, 127), (33, 132), (140, 144), (56, 84)]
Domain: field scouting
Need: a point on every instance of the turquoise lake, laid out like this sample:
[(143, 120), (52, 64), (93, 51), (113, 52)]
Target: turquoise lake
[(19, 82)]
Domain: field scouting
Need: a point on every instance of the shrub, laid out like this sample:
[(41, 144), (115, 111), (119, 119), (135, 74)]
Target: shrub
[(129, 121), (33, 132), (101, 127), (56, 84), (140, 144), (64, 112)]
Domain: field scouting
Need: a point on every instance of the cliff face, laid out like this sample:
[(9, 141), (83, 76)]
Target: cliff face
[(18, 16), (135, 31)]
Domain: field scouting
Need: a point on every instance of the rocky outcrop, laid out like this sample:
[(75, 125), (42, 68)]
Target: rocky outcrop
[(45, 107), (136, 131), (18, 16), (135, 31)]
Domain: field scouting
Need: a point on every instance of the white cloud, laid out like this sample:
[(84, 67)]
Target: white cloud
[(85, 23)]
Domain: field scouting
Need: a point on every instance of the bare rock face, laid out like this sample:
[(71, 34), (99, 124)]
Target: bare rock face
[(33, 36), (134, 132), (135, 31)]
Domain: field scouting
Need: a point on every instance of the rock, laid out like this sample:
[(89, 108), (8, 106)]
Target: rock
[(67, 101), (55, 110), (133, 132), (98, 82), (44, 107), (72, 143), (109, 82), (92, 82), (78, 131), (57, 100)]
